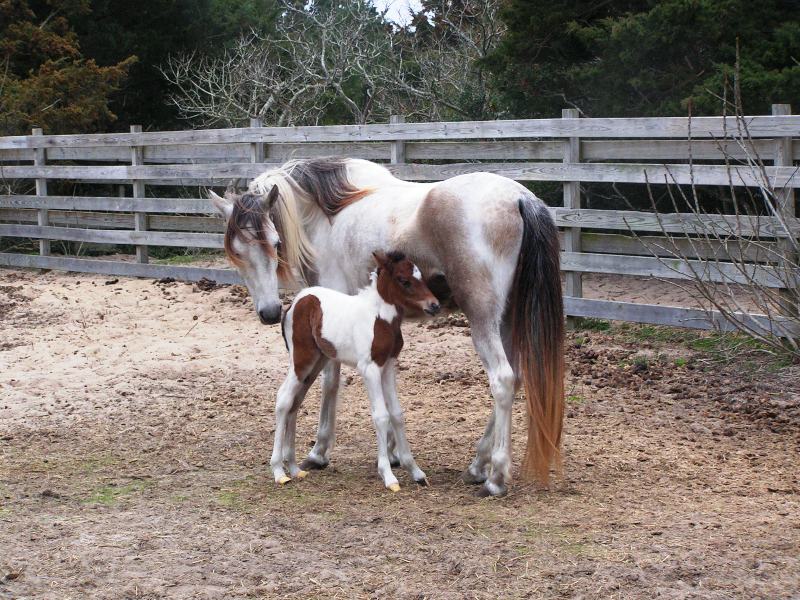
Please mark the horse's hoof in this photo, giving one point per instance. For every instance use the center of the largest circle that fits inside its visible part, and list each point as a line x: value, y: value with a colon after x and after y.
x: 491, y: 489
x: 301, y: 474
x: 422, y: 482
x: 312, y: 465
x: 284, y: 480
x: 395, y: 487
x: 471, y: 479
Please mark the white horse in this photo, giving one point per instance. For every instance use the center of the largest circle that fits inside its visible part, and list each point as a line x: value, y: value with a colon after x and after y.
x: 362, y: 331
x: 482, y: 242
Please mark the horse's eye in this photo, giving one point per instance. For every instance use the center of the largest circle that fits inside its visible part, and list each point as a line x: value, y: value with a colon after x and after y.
x: 277, y: 246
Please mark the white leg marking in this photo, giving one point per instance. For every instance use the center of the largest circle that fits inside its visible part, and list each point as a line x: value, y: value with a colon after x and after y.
x: 404, y: 454
x: 371, y: 373
x: 326, y: 432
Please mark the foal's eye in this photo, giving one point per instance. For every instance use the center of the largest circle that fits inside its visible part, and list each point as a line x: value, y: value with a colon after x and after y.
x: 405, y: 283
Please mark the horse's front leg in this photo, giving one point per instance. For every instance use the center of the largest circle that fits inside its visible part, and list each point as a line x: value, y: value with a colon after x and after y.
x: 319, y: 457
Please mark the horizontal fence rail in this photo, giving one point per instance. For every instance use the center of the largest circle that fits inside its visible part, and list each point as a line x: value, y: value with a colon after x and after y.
x: 702, y: 151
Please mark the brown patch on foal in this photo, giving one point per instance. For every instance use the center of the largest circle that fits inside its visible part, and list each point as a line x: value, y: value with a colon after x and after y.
x: 307, y: 341
x: 387, y: 340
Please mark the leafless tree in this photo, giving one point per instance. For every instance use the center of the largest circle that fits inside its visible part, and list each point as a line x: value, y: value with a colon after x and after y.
x: 745, y: 262
x: 348, y: 55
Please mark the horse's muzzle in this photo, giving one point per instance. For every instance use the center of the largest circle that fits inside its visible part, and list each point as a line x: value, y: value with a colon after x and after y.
x: 270, y: 315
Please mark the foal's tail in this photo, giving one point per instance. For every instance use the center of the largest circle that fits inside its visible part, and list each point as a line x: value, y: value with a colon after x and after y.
x: 536, y: 314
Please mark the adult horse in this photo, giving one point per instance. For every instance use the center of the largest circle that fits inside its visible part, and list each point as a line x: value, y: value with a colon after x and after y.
x: 482, y: 241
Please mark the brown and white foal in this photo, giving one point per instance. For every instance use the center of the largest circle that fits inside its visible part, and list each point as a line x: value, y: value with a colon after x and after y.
x: 362, y: 331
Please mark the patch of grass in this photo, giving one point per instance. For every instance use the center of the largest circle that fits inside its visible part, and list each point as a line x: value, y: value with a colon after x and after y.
x: 575, y: 399
x: 591, y: 324
x: 680, y: 362
x: 656, y: 333
x: 109, y: 495
x: 234, y: 495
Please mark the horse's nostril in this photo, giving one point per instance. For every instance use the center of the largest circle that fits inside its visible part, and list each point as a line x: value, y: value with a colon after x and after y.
x: 433, y: 308
x: 270, y: 316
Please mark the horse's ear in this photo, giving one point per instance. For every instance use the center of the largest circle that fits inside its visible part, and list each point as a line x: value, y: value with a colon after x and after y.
x: 224, y: 206
x: 272, y: 196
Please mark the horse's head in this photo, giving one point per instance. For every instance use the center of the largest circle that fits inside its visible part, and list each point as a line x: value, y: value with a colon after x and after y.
x: 400, y: 283
x: 253, y: 246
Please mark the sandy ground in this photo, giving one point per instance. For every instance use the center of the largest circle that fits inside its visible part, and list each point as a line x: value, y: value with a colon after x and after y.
x: 135, y: 426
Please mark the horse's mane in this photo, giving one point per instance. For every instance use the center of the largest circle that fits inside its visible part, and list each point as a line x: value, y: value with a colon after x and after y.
x: 305, y: 185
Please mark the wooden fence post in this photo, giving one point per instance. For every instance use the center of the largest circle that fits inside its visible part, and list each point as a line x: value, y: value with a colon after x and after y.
x: 258, y: 150
x: 398, y: 148
x: 139, y: 218
x: 572, y: 199
x: 785, y: 198
x: 42, y: 219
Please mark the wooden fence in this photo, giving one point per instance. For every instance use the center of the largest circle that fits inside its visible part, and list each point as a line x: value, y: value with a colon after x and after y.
x: 570, y: 150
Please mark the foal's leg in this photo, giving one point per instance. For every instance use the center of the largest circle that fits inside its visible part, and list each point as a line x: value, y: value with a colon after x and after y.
x: 374, y: 381
x: 287, y: 394
x: 404, y: 456
x: 319, y: 457
x: 289, y: 453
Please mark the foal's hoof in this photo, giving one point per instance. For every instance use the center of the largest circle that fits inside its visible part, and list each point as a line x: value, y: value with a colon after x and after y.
x: 301, y: 474
x: 470, y: 478
x: 284, y: 480
x: 395, y: 487
x: 312, y: 465
x: 422, y: 482
x: 491, y: 489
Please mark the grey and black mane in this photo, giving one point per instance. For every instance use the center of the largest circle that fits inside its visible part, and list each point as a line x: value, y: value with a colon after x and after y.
x: 325, y: 180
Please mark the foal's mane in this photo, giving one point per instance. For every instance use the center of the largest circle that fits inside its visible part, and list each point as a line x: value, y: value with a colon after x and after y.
x: 306, y: 188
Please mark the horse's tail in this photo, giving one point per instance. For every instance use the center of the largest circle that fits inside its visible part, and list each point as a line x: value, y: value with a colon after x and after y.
x: 536, y: 314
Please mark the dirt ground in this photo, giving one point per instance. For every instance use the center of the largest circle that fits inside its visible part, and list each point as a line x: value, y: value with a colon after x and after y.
x: 135, y: 426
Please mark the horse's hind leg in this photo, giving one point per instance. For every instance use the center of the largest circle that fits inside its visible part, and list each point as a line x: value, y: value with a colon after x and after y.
x: 319, y: 457
x: 488, y: 343
x: 478, y: 470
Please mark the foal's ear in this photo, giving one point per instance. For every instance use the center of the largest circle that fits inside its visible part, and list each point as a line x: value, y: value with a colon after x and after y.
x: 380, y: 258
x: 272, y: 196
x: 224, y: 206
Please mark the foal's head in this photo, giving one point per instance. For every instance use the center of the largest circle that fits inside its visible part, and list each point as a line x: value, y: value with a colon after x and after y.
x: 400, y: 283
x: 254, y: 247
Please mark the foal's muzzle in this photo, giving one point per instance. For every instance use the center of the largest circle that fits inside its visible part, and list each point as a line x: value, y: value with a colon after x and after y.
x: 432, y: 308
x: 270, y: 315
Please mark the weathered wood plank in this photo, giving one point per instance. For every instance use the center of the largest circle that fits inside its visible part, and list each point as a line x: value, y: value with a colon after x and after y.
x: 103, y: 220
x: 111, y: 236
x: 591, y: 172
x: 668, y: 268
x: 606, y: 243
x: 125, y: 269
x: 610, y: 150
x: 499, y: 150
x: 648, y: 127
x: 670, y: 315
x: 723, y: 225
x: 114, y: 204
